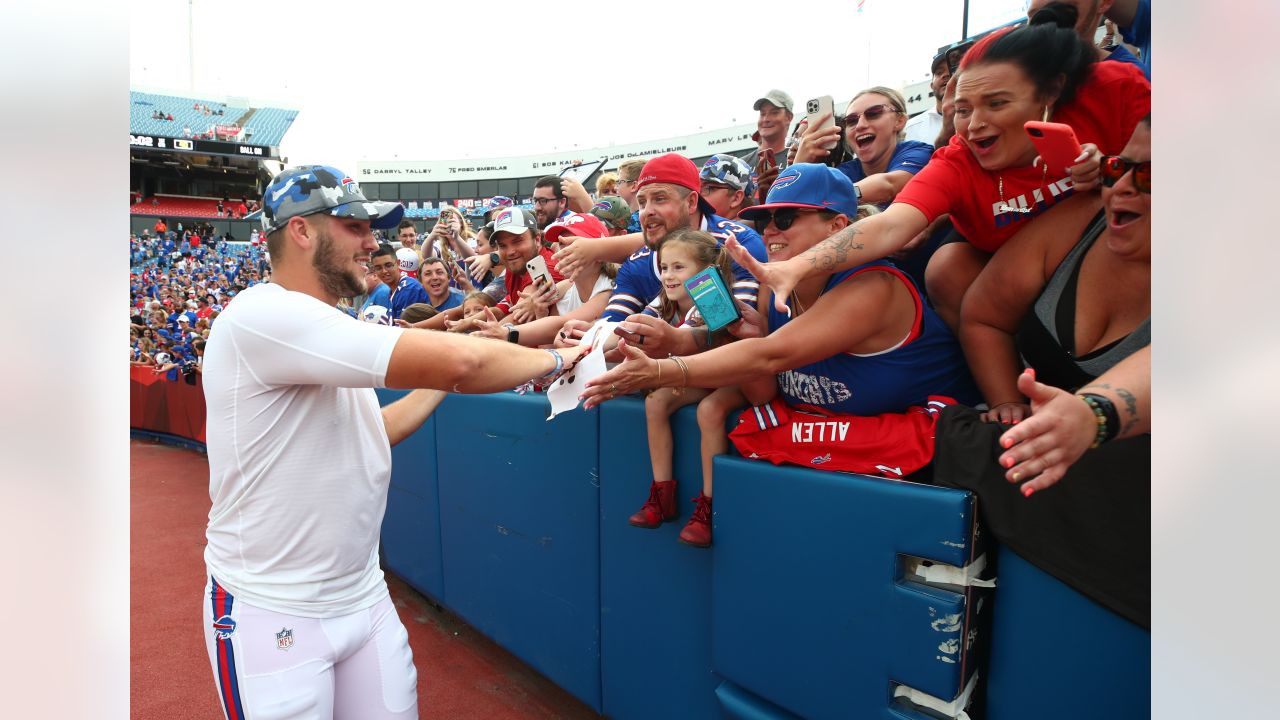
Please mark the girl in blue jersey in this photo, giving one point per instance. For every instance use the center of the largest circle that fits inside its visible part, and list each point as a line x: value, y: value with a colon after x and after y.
x: 681, y: 255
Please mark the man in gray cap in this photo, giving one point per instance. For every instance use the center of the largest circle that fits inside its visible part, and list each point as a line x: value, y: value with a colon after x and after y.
x: 776, y: 112
x: 296, y: 610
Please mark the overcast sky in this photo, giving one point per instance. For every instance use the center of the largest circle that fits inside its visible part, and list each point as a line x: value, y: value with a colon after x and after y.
x: 385, y: 80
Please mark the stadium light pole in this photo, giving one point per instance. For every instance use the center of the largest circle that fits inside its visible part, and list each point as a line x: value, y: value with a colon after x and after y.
x: 191, y: 49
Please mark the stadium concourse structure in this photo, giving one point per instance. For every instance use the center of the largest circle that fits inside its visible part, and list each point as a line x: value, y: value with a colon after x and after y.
x: 213, y: 149
x: 422, y: 186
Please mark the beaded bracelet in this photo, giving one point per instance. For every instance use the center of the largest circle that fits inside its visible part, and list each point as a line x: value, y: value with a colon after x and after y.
x: 1104, y: 411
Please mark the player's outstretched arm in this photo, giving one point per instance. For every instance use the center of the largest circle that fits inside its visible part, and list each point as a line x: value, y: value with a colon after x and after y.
x: 403, y: 417
x: 460, y: 363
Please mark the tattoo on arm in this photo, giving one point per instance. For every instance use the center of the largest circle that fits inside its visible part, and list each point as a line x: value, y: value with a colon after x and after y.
x: 829, y: 253
x: 1130, y: 404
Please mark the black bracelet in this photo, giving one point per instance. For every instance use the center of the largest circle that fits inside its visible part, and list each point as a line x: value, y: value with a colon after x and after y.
x: 1104, y: 411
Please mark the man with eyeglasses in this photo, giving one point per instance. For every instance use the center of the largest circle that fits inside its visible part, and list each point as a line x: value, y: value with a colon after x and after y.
x: 549, y: 202
x: 405, y: 291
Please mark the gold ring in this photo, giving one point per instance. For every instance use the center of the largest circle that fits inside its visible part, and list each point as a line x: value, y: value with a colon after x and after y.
x: 614, y: 388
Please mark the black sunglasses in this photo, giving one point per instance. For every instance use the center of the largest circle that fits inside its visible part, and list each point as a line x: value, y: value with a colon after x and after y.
x: 1115, y: 167
x: 784, y: 218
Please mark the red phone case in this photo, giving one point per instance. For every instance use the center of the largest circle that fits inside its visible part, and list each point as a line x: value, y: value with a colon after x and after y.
x: 1056, y: 143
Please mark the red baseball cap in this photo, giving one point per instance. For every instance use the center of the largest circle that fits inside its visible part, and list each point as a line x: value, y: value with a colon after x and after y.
x: 675, y: 169
x: 578, y: 225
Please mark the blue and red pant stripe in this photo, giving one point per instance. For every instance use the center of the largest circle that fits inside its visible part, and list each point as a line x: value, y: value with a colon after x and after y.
x: 228, y: 681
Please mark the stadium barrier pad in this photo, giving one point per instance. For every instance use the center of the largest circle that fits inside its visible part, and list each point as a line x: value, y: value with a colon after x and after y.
x: 826, y: 595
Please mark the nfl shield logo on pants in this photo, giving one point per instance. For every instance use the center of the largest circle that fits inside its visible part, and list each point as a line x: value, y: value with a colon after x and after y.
x: 284, y: 639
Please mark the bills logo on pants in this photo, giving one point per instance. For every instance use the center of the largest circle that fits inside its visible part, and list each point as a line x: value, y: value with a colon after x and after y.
x: 890, y: 445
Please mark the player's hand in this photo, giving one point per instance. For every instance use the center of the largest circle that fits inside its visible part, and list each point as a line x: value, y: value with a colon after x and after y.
x: 572, y: 356
x: 478, y: 265
x: 648, y: 334
x: 750, y: 326
x: 1041, y: 448
x: 571, y: 333
x: 782, y: 277
x: 572, y: 258
x: 636, y: 372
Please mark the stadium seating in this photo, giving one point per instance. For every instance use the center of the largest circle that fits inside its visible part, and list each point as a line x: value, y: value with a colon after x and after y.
x: 177, y: 207
x: 268, y: 124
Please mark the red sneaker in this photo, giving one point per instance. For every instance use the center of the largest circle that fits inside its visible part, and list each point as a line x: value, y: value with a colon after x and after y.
x: 697, y: 532
x: 659, y: 508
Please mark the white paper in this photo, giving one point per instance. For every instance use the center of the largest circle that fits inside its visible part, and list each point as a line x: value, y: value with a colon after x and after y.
x: 563, y: 393
x: 954, y: 709
x: 944, y: 574
x: 599, y: 331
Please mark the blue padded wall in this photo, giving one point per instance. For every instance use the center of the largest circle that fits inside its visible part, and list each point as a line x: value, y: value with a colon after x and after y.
x: 655, y: 593
x: 519, y: 522
x: 411, y: 527
x: 809, y: 610
x: 1057, y: 655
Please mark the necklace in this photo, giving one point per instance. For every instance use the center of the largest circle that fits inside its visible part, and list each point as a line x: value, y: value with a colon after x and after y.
x: 1004, y: 206
x: 795, y: 300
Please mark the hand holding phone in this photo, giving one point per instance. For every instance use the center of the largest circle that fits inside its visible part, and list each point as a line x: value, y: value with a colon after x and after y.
x: 1056, y: 143
x: 820, y: 115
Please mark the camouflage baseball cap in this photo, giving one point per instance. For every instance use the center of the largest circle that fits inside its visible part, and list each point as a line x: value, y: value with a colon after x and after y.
x: 310, y: 189
x: 730, y: 170
x: 613, y: 211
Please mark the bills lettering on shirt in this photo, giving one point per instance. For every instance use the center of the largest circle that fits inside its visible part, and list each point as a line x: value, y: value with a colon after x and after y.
x: 1028, y: 205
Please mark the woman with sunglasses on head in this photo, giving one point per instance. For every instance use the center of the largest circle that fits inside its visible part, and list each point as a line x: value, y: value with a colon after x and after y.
x: 988, y: 177
x: 884, y: 160
x: 857, y: 346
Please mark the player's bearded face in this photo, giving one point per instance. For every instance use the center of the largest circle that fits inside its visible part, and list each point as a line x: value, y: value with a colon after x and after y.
x: 338, y: 273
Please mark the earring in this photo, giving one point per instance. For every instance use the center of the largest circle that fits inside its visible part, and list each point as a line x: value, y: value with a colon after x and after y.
x: 1046, y: 114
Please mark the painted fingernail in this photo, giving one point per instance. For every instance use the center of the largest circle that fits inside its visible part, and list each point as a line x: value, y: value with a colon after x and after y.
x: 1007, y: 442
x: 1032, y: 373
x: 1017, y: 475
x: 1007, y: 462
x: 1027, y: 490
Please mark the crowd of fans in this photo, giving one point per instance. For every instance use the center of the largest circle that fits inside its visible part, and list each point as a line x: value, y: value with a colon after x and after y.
x: 889, y: 274
x: 179, y: 281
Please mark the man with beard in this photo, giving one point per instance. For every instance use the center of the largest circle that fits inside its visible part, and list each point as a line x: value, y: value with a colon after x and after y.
x: 405, y: 291
x: 549, y: 202
x: 296, y: 610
